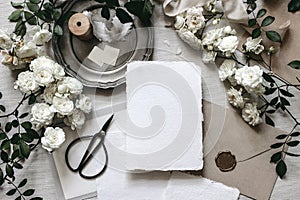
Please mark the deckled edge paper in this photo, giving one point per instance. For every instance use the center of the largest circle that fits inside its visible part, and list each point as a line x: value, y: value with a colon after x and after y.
x: 183, y: 149
x: 185, y: 186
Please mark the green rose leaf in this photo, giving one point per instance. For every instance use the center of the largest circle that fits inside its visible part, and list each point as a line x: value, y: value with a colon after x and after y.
x: 294, y: 6
x: 273, y: 36
x: 276, y: 157
x: 295, y: 134
x: 11, y: 192
x: 25, y: 149
x: 142, y: 9
x: 293, y: 143
x: 4, y: 156
x: 295, y: 64
x: 256, y: 33
x: 22, y: 183
x: 28, y: 192
x: 281, y: 137
x: 9, y: 171
x: 286, y: 93
x: 58, y: 30
x: 292, y: 154
x: 269, y: 121
x: 261, y: 13
x: 281, y: 168
x: 17, y: 165
x: 267, y: 21
x: 15, y: 15
x: 105, y: 12
x: 32, y: 7
x: 276, y: 145
x: 123, y: 16
x: 35, y: 1
x: 1, y: 177
x: 30, y: 18
x: 26, y: 125
x: 2, y: 108
x: 252, y: 22
x: 17, y: 5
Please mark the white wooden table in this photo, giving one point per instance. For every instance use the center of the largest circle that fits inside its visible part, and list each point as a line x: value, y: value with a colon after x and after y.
x: 38, y: 168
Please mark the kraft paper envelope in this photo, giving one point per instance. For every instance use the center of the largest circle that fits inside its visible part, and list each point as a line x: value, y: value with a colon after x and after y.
x: 254, y: 178
x: 289, y: 49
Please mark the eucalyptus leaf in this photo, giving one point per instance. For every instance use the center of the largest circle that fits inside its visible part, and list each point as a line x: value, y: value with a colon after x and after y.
x: 295, y: 64
x: 281, y: 168
x: 267, y: 21
x: 294, y: 6
x: 273, y: 36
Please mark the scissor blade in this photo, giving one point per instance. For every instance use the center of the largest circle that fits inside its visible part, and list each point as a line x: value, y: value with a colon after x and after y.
x: 107, y: 123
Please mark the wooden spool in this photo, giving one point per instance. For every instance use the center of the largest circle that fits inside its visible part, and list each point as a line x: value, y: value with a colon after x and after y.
x: 80, y: 26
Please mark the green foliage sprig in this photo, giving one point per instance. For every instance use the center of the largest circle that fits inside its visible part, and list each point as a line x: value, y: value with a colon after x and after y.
x: 18, y: 140
x: 278, y: 89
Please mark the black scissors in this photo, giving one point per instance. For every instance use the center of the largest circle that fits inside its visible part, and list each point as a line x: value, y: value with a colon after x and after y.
x: 88, y: 155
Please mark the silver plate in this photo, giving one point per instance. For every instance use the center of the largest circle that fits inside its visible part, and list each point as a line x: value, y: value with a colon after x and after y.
x: 72, y: 53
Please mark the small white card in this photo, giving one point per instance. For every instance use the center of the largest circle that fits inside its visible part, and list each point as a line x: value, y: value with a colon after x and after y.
x: 107, y: 56
x: 164, y: 126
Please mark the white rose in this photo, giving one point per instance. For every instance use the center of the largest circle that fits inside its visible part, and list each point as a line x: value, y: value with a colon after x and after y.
x: 227, y: 69
x: 58, y: 71
x: 84, y: 103
x: 27, y: 50
x: 5, y: 40
x: 43, y: 75
x: 250, y: 114
x: 26, y: 83
x: 179, y: 22
x: 253, y: 45
x: 189, y: 38
x: 69, y: 85
x: 76, y: 120
x: 228, y: 44
x: 41, y: 114
x: 249, y: 77
x: 42, y: 61
x: 194, y: 19
x: 235, y: 97
x: 49, y: 93
x: 41, y: 37
x: 209, y: 56
x: 259, y: 89
x: 53, y: 138
x: 62, y: 105
x: 212, y: 37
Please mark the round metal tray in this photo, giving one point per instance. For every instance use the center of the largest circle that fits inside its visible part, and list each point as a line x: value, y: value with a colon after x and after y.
x: 72, y: 53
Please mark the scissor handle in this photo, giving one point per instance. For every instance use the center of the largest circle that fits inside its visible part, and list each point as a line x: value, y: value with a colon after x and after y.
x: 87, y: 155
